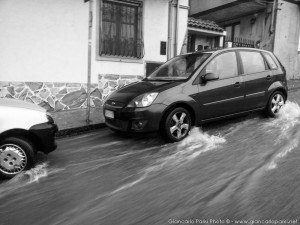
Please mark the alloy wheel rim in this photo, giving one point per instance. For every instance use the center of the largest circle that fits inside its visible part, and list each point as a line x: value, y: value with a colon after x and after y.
x: 277, y: 103
x: 179, y: 125
x: 13, y: 159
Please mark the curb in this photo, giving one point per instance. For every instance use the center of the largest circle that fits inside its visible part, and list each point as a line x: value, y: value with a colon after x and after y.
x: 79, y: 130
x: 293, y: 88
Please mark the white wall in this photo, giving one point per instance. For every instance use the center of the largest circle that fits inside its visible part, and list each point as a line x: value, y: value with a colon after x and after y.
x: 47, y: 40
x: 43, y: 40
x: 287, y: 38
x: 155, y: 30
x: 182, y: 26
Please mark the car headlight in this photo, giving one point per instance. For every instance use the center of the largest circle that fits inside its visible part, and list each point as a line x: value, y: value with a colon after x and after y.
x: 143, y: 100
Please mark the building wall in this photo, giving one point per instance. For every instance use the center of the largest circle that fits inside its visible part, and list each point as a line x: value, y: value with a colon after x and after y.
x: 287, y: 38
x: 44, y: 51
x: 203, y: 5
x: 43, y: 41
x: 256, y: 27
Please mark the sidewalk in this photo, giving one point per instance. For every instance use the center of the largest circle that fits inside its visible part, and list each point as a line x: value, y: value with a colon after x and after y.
x: 293, y: 84
x: 71, y: 122
x: 74, y: 121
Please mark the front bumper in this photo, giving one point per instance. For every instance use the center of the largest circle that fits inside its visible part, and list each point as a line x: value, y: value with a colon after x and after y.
x: 135, y: 119
x: 46, y: 135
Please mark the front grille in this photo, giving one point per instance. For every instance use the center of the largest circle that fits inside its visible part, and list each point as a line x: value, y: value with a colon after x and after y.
x: 115, y: 104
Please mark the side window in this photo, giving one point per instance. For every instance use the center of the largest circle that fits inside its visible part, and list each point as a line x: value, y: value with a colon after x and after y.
x: 253, y: 62
x: 270, y: 61
x: 225, y: 65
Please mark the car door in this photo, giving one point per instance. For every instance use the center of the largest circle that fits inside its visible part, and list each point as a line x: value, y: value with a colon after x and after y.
x: 257, y: 78
x: 225, y: 95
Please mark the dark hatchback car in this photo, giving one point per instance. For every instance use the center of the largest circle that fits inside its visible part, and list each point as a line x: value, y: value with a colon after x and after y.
x: 195, y: 88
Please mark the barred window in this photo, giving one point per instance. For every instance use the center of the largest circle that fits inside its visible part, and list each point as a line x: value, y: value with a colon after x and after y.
x: 121, y: 32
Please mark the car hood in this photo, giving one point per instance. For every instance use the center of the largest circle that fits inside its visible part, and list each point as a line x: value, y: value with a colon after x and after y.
x: 14, y: 103
x: 129, y: 92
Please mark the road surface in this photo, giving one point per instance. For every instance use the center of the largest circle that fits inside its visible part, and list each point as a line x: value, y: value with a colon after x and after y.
x: 224, y: 173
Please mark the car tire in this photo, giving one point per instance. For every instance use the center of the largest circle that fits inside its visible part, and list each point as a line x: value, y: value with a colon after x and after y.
x: 16, y: 155
x: 176, y: 124
x: 276, y: 101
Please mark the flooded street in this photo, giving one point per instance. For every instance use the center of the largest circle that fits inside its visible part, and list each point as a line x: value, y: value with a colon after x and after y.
x: 239, y: 169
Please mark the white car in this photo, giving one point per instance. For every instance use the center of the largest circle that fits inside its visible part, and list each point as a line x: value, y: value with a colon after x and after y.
x: 25, y: 128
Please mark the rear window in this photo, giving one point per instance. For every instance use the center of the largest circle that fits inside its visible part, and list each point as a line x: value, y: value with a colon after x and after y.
x: 270, y: 61
x: 253, y: 62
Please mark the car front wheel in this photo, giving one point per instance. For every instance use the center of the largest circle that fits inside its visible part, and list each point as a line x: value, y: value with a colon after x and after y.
x: 275, y: 103
x: 16, y: 155
x: 177, y: 124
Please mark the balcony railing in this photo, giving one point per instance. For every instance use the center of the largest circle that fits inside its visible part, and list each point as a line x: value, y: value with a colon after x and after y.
x: 239, y: 42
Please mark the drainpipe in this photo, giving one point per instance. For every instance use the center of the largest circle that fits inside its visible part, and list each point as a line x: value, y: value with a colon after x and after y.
x: 170, y: 24
x: 176, y: 29
x: 273, y: 17
x: 89, y: 61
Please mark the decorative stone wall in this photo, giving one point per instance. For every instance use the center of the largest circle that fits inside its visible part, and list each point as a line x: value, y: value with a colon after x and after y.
x: 108, y: 83
x: 52, y: 96
x: 65, y: 96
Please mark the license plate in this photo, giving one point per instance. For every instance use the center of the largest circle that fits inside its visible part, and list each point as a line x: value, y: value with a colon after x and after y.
x: 109, y: 114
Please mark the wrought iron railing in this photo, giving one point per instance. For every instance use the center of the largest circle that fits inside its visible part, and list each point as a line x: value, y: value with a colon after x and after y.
x: 239, y: 42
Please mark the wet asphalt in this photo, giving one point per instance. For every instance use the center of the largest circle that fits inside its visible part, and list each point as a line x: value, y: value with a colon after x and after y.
x: 243, y: 169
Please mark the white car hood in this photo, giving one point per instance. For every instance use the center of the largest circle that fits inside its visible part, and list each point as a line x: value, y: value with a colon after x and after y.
x: 6, y: 102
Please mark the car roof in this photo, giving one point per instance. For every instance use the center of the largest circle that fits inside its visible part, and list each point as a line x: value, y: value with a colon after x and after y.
x: 218, y: 50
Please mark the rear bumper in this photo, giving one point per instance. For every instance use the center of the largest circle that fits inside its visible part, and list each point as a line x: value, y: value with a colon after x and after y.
x: 135, y: 119
x: 46, y: 134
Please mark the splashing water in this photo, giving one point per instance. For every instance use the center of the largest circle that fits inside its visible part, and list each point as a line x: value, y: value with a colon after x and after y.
x: 26, y: 177
x: 287, y: 120
x: 288, y: 117
x: 32, y: 175
x: 287, y: 149
x: 191, y: 147
x: 198, y: 142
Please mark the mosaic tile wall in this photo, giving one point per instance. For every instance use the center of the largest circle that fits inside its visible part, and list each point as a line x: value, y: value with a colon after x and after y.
x: 51, y: 96
x: 65, y: 96
x: 110, y: 82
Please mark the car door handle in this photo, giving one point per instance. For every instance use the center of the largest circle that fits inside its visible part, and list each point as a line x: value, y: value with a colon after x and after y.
x: 268, y: 77
x: 237, y: 84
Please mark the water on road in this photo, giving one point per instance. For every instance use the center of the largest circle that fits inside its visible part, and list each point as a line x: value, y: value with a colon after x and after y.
x: 245, y: 168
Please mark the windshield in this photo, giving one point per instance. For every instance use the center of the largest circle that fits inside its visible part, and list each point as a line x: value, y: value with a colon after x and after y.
x: 180, y: 67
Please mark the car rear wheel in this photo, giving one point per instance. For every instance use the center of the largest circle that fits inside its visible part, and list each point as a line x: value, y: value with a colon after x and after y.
x: 16, y: 155
x: 177, y: 124
x: 275, y: 103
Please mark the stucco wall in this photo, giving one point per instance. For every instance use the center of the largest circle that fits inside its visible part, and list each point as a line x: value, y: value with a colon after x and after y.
x: 258, y: 29
x: 43, y: 51
x: 47, y: 40
x: 203, y: 5
x: 287, y: 38
x: 155, y: 30
x: 43, y: 40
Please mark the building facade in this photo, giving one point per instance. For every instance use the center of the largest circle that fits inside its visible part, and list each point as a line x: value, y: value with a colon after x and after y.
x: 267, y: 24
x: 44, y: 47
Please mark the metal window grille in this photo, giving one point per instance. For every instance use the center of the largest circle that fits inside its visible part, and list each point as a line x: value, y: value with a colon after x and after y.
x: 121, y: 32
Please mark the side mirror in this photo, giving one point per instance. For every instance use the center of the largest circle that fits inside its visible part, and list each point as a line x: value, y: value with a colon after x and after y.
x: 209, y: 77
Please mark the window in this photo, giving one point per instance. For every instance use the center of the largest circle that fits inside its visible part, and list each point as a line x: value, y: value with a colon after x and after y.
x: 121, y: 29
x: 179, y: 67
x: 253, y: 62
x: 270, y: 61
x: 225, y: 65
x: 232, y: 31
